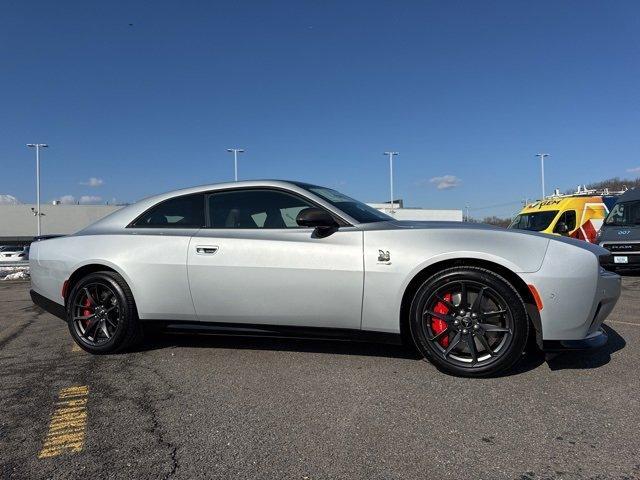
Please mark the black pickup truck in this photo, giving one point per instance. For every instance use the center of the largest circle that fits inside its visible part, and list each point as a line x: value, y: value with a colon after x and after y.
x: 620, y: 232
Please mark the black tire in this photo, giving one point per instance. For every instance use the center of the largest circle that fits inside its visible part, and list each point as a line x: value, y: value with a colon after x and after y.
x: 110, y: 323
x: 472, y: 337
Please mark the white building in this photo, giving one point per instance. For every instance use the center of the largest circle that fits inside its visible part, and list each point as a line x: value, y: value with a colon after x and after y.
x: 18, y: 222
x: 401, y: 213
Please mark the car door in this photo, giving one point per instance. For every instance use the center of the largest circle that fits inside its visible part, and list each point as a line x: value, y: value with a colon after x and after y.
x: 254, y: 265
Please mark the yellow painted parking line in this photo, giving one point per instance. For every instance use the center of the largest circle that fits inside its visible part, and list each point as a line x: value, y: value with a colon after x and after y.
x: 68, y: 423
x: 76, y: 348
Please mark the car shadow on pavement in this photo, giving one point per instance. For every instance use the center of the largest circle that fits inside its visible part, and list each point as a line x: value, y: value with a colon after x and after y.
x: 158, y: 340
x: 579, y: 360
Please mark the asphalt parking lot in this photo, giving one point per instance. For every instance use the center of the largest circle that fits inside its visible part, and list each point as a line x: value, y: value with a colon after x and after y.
x: 190, y: 407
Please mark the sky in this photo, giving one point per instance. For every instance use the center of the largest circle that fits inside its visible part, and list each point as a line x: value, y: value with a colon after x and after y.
x: 139, y: 97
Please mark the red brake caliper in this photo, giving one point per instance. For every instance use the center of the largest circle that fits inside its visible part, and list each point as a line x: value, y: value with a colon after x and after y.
x: 438, y: 325
x: 86, y: 312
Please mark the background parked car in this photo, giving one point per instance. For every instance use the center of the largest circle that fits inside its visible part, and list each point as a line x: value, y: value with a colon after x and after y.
x: 14, y: 254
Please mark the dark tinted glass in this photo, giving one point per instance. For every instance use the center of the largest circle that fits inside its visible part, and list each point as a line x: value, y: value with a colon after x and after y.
x: 569, y: 218
x: 537, y: 221
x: 625, y: 214
x: 357, y: 210
x: 255, y: 209
x: 179, y: 212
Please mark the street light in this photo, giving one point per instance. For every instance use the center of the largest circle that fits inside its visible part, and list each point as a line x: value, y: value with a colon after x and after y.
x: 391, y: 155
x: 542, y: 155
x: 235, y: 151
x: 37, y: 146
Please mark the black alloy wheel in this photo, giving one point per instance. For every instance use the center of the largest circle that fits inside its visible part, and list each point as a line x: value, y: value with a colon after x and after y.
x: 96, y: 313
x: 469, y: 321
x: 101, y: 313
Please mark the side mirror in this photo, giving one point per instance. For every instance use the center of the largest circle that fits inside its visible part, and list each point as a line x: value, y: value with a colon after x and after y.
x: 316, y: 218
x: 562, y: 228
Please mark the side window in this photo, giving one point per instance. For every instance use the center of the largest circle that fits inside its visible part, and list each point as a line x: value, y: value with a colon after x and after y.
x: 569, y: 218
x: 260, y: 208
x: 179, y: 212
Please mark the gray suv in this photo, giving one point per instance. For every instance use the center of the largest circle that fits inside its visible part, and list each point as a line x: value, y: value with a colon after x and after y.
x: 620, y: 233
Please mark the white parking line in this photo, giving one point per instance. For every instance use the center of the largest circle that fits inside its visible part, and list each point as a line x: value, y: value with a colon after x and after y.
x: 623, y: 323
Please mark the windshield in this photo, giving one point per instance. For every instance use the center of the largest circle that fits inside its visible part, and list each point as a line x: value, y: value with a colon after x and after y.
x: 624, y: 214
x: 361, y: 212
x: 536, y: 221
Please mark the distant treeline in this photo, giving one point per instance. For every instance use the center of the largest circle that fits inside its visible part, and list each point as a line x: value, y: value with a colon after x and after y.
x: 492, y: 220
x: 613, y: 184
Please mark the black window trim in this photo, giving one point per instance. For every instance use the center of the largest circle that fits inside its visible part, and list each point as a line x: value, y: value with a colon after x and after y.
x: 207, y: 193
x: 132, y: 224
x: 341, y: 221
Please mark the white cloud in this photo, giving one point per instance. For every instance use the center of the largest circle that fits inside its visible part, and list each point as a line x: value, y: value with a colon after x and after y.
x: 633, y: 170
x: 445, y: 182
x: 93, y: 182
x: 8, y: 200
x: 88, y: 199
x: 83, y: 200
x: 67, y: 200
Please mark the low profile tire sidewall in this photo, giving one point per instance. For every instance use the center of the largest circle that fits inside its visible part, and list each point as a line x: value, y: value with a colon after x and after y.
x: 127, y: 313
x: 513, y: 351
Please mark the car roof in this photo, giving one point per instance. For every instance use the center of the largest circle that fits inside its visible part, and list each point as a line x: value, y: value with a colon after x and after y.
x: 630, y: 195
x: 557, y: 203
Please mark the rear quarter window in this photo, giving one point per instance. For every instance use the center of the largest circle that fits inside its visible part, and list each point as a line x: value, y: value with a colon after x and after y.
x: 179, y: 212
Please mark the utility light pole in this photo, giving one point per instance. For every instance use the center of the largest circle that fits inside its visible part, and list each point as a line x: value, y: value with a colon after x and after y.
x: 37, y: 146
x: 391, y: 155
x: 542, y: 156
x: 235, y: 152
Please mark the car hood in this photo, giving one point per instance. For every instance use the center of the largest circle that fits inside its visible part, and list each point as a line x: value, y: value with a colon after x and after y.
x: 400, y: 225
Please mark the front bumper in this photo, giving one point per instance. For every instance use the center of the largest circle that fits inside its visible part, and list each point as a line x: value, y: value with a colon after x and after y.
x: 577, y: 296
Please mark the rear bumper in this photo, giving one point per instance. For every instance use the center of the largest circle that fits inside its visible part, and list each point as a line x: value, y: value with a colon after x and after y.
x: 49, y: 305
x: 597, y: 339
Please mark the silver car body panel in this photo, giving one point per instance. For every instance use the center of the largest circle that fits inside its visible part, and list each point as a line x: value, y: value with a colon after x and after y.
x: 278, y: 277
x: 295, y: 278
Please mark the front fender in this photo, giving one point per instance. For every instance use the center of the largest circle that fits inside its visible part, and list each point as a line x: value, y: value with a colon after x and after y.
x: 412, y: 251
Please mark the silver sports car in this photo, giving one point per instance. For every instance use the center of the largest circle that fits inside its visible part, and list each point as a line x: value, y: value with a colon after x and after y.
x: 288, y: 258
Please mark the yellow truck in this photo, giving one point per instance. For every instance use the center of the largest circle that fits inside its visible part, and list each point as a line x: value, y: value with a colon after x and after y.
x: 579, y: 215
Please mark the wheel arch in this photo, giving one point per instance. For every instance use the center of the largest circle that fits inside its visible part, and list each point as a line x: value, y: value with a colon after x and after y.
x: 513, y: 278
x: 84, y: 270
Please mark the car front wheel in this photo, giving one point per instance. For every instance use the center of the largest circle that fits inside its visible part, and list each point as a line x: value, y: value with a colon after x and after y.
x: 469, y: 321
x: 101, y: 314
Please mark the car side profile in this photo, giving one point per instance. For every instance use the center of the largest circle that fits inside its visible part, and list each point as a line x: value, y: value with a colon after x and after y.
x: 289, y: 258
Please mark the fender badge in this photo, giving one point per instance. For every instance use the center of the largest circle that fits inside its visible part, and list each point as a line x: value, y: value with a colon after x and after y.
x: 384, y: 257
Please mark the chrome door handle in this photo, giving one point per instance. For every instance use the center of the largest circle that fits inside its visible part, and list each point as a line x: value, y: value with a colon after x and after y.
x: 206, y: 249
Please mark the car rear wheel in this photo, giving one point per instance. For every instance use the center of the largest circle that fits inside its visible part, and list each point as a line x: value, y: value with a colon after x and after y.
x: 469, y: 321
x: 101, y: 314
